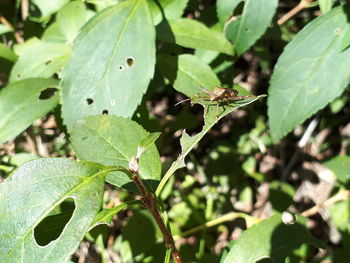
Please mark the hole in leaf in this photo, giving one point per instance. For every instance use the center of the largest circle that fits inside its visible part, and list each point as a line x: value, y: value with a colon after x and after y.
x: 51, y: 227
x: 105, y: 112
x: 246, y: 30
x: 112, y: 102
x: 121, y: 67
x: 47, y: 93
x: 48, y: 62
x: 18, y: 76
x: 89, y: 101
x: 130, y: 61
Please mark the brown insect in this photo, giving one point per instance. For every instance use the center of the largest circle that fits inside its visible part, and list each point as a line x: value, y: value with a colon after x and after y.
x: 220, y: 95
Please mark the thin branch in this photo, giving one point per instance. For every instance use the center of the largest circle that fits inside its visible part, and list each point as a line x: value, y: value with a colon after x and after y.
x: 217, y: 221
x: 303, y: 4
x: 341, y: 195
x: 150, y: 202
x: 4, y: 21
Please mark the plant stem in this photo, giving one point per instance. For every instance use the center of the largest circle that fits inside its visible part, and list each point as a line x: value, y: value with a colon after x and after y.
x: 303, y: 4
x: 149, y: 201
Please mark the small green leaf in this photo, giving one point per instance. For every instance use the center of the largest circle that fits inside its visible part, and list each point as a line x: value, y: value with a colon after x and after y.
x: 193, y: 34
x: 271, y: 238
x: 325, y: 5
x: 4, y: 29
x: 49, y: 7
x: 147, y: 142
x: 7, y: 53
x: 40, y: 60
x: 171, y: 9
x: 20, y: 105
x: 187, y: 72
x: 112, y: 63
x: 340, y: 166
x: 71, y: 18
x: 345, y: 43
x: 225, y: 8
x: 306, y: 78
x: 112, y: 141
x: 245, y: 30
x: 32, y: 192
x: 105, y: 216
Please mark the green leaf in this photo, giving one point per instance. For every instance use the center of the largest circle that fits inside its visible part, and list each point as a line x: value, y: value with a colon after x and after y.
x: 20, y: 105
x: 340, y: 166
x: 325, y: 5
x: 340, y: 215
x: 345, y: 43
x: 245, y: 30
x: 271, y: 238
x: 112, y: 140
x: 112, y: 63
x: 225, y: 8
x: 306, y: 78
x: 32, y: 192
x: 171, y: 9
x: 147, y: 142
x: 71, y: 18
x: 4, y: 29
x: 49, y: 7
x: 7, y: 53
x: 212, y: 114
x: 193, y: 34
x: 40, y: 60
x: 105, y: 216
x: 187, y: 72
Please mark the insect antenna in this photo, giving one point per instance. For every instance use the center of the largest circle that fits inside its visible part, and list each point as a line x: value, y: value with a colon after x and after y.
x: 182, y: 101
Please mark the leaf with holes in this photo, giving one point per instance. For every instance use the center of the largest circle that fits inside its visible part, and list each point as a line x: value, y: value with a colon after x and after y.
x: 187, y: 72
x: 193, y: 34
x: 307, y: 76
x: 245, y: 30
x: 23, y: 102
x: 40, y: 60
x: 112, y: 63
x: 112, y: 140
x: 271, y: 238
x: 213, y: 112
x: 32, y: 192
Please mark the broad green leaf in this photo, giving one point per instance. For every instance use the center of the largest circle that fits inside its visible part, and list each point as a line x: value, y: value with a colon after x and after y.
x: 23, y: 102
x: 112, y: 140
x: 325, y: 5
x: 7, y: 53
x: 112, y: 63
x: 40, y: 60
x: 271, y: 238
x: 53, y: 34
x: 171, y: 9
x: 105, y: 216
x: 32, y: 192
x: 212, y: 114
x: 187, y: 72
x: 71, y: 18
x: 225, y: 8
x: 193, y: 34
x: 246, y: 29
x: 340, y: 166
x: 307, y: 77
x: 49, y: 7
